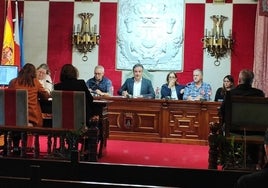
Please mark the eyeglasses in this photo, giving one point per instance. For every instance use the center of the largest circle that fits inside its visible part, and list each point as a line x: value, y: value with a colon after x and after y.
x: 172, y: 77
x: 97, y: 73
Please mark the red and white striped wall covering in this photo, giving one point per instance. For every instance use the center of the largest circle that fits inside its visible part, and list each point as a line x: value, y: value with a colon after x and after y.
x: 49, y: 23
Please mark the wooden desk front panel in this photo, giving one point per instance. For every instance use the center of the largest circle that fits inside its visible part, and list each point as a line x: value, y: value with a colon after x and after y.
x: 135, y: 118
x: 184, y: 120
x: 161, y: 120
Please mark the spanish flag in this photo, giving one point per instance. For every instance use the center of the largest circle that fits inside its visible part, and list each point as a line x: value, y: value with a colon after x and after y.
x: 8, y: 41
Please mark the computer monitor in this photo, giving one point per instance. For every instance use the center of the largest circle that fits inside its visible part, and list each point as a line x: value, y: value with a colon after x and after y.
x: 7, y: 73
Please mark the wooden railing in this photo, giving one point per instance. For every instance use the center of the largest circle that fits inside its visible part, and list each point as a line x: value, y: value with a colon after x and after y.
x: 55, y: 172
x: 68, y: 141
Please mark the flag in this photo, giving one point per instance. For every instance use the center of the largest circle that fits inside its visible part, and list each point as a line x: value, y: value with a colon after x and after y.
x: 22, y: 61
x: 16, y: 37
x: 8, y: 41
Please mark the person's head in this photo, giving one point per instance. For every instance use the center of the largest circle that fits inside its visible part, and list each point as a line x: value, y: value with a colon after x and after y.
x: 228, y: 82
x: 171, y: 76
x: 245, y: 77
x: 137, y: 71
x: 99, y: 72
x: 27, y: 75
x: 68, y: 72
x: 42, y: 71
x: 198, y: 75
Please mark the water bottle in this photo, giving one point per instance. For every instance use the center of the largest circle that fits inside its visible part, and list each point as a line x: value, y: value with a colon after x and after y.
x: 157, y: 93
x: 111, y: 91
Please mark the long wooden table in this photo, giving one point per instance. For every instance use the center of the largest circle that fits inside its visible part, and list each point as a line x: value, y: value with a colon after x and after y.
x: 161, y: 120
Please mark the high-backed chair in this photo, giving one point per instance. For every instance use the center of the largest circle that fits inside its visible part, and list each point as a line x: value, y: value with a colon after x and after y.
x: 13, y: 107
x: 69, y: 111
x: 244, y: 123
x: 13, y: 112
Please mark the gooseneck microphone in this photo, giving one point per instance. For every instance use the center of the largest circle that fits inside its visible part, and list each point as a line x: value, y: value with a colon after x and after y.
x: 47, y: 81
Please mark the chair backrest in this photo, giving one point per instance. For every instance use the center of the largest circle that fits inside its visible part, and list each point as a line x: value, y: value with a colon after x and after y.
x: 13, y: 107
x: 246, y: 113
x: 68, y: 109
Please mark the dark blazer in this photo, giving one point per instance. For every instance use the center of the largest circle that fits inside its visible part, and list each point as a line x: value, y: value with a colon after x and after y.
x: 247, y: 90
x: 219, y: 96
x: 166, y: 92
x: 240, y: 90
x: 78, y: 85
x: 147, y: 90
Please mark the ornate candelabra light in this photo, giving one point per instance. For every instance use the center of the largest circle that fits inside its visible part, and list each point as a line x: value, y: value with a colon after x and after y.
x: 214, y: 42
x: 86, y: 38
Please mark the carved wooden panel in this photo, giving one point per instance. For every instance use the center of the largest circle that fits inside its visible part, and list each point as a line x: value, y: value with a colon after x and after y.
x: 184, y: 124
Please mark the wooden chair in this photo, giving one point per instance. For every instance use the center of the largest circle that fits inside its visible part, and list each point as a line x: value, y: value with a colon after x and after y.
x: 246, y: 121
x: 13, y: 112
x: 68, y: 109
x: 69, y: 112
x: 246, y: 115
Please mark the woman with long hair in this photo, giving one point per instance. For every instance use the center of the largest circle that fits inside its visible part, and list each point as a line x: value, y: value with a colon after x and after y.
x: 27, y: 80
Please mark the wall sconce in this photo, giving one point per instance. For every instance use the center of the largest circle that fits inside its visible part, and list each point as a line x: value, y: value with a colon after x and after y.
x: 214, y: 42
x: 86, y: 38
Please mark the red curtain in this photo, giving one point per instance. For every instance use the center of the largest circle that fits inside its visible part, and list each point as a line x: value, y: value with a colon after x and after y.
x: 260, y: 48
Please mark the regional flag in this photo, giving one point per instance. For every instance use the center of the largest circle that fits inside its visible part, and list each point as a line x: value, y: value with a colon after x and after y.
x: 22, y: 60
x: 8, y: 41
x: 16, y: 37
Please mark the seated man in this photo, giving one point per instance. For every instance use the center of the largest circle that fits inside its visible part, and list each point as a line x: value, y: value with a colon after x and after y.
x: 137, y: 86
x: 99, y: 84
x: 244, y: 88
x: 197, y: 89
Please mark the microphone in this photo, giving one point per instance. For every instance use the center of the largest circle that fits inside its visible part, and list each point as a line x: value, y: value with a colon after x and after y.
x: 47, y: 81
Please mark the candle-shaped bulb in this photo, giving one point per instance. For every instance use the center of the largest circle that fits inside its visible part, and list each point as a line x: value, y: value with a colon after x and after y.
x: 95, y: 28
x: 78, y: 28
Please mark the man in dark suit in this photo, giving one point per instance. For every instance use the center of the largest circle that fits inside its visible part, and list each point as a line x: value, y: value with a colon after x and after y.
x: 256, y: 179
x: 244, y: 88
x: 137, y: 86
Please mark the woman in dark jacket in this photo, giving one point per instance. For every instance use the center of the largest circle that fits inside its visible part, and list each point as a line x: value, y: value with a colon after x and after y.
x: 172, y: 89
x: 69, y: 82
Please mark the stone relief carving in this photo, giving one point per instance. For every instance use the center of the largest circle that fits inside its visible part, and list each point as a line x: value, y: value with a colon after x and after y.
x: 150, y: 32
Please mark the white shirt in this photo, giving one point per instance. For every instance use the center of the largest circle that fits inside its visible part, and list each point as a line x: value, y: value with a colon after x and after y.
x: 174, y: 93
x: 47, y: 83
x: 137, y: 88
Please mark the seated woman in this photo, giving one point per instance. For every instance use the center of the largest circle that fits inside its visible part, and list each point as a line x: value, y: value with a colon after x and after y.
x: 27, y: 80
x: 172, y: 89
x: 228, y: 84
x: 69, y: 81
x: 43, y: 75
